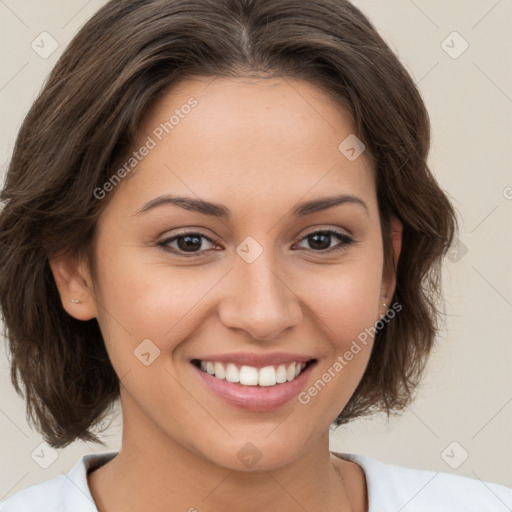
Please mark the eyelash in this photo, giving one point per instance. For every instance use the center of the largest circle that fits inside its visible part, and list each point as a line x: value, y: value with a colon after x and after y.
x: 345, y: 242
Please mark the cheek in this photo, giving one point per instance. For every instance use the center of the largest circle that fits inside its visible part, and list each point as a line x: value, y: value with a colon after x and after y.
x: 142, y: 300
x: 346, y: 307
x: 345, y: 298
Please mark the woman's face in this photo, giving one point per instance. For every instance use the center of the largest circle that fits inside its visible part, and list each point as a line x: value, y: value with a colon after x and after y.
x: 254, y: 280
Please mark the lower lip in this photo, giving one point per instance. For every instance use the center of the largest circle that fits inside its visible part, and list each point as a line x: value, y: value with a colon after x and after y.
x: 255, y: 398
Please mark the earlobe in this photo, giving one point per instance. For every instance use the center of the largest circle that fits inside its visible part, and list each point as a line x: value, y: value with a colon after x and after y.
x: 74, y: 285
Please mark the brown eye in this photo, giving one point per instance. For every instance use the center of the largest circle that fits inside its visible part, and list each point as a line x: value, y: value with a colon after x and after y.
x: 320, y: 241
x: 189, y: 242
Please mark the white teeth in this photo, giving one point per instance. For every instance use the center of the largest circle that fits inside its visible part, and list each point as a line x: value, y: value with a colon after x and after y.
x: 281, y: 374
x: 232, y: 373
x: 210, y: 368
x: 248, y: 376
x: 267, y: 376
x: 251, y: 376
x: 219, y: 371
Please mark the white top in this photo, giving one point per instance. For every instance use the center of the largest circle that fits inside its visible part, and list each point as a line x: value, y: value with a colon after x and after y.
x: 390, y: 489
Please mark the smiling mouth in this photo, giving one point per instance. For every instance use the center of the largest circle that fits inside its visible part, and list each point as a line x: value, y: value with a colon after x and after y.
x: 245, y: 375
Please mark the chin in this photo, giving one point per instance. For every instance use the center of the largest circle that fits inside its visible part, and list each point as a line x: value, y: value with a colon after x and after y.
x: 253, y: 454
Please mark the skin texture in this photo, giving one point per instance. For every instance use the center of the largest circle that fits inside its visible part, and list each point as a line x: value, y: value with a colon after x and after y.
x: 258, y: 147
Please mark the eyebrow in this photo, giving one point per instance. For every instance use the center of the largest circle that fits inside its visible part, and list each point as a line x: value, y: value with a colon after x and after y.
x: 221, y: 211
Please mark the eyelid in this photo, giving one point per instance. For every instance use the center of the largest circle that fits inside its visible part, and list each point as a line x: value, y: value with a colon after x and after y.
x: 323, y: 228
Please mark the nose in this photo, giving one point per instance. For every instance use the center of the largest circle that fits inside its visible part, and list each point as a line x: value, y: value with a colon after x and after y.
x: 259, y: 300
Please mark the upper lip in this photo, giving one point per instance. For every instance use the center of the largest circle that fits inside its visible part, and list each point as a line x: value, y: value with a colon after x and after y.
x: 256, y: 360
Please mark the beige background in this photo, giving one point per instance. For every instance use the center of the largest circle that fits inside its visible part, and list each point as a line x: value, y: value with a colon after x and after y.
x: 467, y: 393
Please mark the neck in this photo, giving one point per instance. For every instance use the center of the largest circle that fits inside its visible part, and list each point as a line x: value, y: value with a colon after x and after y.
x: 153, y: 471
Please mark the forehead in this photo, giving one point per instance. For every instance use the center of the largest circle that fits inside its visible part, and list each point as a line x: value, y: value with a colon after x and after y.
x: 232, y: 137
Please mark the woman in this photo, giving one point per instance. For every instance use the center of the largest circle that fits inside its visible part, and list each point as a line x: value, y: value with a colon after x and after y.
x: 221, y: 213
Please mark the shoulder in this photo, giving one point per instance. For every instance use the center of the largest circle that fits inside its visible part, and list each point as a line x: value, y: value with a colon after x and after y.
x: 392, y: 488
x: 44, y: 496
x: 64, y: 493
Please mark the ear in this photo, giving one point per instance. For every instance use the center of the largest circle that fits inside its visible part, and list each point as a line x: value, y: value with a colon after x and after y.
x: 396, y: 236
x: 73, y: 279
x: 389, y: 281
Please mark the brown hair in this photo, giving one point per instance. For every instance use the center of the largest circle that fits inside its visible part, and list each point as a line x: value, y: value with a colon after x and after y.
x: 85, y: 120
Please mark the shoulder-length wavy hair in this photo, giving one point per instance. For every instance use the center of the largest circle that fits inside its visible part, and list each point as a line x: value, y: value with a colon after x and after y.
x: 85, y: 121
